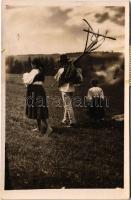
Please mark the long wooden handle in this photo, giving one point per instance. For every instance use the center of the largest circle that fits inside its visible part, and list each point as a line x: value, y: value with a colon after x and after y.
x: 98, y: 34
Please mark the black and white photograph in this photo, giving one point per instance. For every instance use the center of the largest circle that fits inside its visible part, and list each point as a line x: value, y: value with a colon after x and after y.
x: 65, y: 67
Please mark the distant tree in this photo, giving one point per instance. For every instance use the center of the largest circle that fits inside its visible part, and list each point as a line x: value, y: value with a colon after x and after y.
x: 29, y: 60
x: 51, y: 66
x: 116, y: 73
x: 16, y: 68
x: 42, y: 61
x: 29, y: 63
x: 103, y: 67
x: 25, y: 66
x: 122, y: 65
x: 9, y: 63
x: 46, y: 65
x: 21, y: 67
x: 46, y: 62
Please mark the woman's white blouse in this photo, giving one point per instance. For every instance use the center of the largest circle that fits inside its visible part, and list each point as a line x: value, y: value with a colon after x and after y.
x: 29, y: 77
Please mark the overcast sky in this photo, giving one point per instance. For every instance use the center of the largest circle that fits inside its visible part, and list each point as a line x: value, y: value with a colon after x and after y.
x: 41, y: 30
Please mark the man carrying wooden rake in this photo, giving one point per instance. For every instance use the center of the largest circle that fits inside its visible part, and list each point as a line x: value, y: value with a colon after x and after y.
x: 68, y: 76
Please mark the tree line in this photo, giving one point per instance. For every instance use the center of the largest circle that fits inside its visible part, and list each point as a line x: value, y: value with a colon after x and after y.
x: 16, y: 66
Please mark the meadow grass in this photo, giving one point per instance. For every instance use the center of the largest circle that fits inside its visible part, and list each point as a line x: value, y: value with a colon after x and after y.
x: 86, y: 157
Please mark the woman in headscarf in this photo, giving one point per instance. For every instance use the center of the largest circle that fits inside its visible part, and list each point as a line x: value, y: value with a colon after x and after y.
x: 36, y: 104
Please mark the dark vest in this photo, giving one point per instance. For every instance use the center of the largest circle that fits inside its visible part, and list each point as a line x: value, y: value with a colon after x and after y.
x: 39, y: 77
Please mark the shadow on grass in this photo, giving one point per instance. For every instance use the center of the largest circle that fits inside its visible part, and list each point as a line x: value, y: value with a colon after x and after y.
x: 92, y: 181
x: 86, y: 125
x: 104, y: 124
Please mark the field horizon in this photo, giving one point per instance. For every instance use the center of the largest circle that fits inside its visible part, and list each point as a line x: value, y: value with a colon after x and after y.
x: 56, y: 55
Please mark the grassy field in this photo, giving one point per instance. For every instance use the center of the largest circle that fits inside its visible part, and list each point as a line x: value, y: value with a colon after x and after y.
x: 86, y: 157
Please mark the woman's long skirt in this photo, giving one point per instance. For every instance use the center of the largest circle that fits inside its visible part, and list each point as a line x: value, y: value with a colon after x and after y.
x: 36, y: 104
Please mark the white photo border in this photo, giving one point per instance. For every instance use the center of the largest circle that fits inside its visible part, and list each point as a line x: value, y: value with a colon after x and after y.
x: 117, y: 193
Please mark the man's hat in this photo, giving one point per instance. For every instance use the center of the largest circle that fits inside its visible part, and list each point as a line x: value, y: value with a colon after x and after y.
x: 64, y: 58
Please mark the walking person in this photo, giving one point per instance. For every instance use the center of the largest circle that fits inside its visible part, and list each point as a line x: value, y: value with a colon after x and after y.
x: 36, y: 104
x: 68, y: 76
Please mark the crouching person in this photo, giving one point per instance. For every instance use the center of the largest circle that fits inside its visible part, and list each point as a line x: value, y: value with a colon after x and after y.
x: 68, y: 77
x: 95, y: 99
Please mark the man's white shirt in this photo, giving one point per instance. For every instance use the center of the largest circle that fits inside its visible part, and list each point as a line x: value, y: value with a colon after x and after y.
x: 95, y: 92
x: 67, y: 87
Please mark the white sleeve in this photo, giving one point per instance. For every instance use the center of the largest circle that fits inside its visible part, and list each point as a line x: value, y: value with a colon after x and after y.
x: 89, y: 95
x: 79, y: 72
x: 57, y: 76
x: 102, y: 94
x: 29, y: 77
